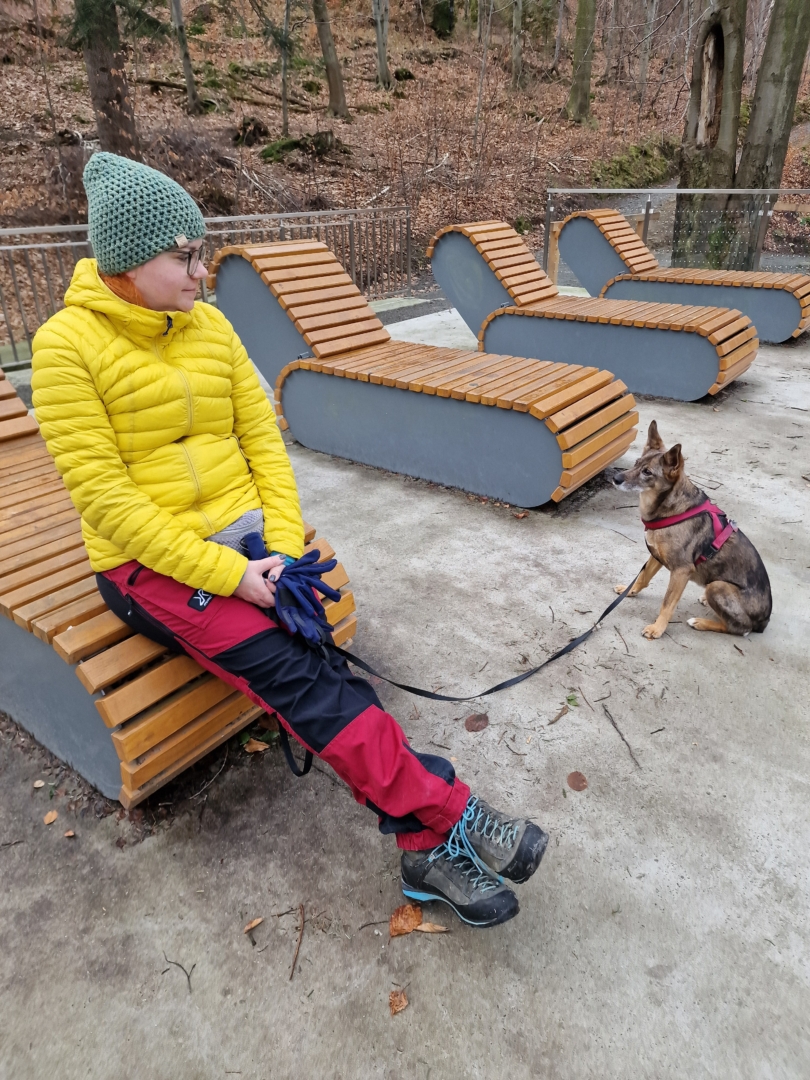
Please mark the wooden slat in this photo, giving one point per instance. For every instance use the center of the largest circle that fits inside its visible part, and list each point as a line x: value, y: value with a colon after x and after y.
x: 344, y: 630
x: 338, y: 609
x: 548, y: 405
x: 91, y: 637
x: 14, y: 555
x: 130, y: 797
x: 14, y: 429
x: 168, y: 717
x: 574, y: 478
x: 117, y: 662
x: 11, y: 408
x: 591, y: 446
x: 52, y: 558
x: 175, y: 748
x: 26, y: 615
x: 25, y: 594
x: 605, y: 414
x: 72, y: 615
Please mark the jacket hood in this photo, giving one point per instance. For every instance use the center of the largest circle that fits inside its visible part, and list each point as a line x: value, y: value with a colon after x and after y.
x: 87, y: 290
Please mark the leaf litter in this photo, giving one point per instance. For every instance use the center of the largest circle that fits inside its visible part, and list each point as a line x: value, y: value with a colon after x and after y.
x: 408, y: 918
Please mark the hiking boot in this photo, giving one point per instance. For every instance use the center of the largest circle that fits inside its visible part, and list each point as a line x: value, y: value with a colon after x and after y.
x: 448, y: 874
x: 512, y: 847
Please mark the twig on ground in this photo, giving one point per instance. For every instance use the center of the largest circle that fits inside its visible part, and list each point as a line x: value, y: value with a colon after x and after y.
x: 618, y: 631
x: 586, y: 700
x: 298, y: 943
x: 380, y: 922
x: 186, y: 973
x: 515, y: 752
x: 621, y: 736
x: 671, y: 638
x: 213, y: 778
x: 289, y: 911
x: 11, y: 843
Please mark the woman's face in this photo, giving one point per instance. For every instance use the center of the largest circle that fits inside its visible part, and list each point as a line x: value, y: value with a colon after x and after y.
x: 164, y: 281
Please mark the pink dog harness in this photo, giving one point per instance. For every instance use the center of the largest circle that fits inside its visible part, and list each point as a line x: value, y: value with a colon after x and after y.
x: 721, y: 532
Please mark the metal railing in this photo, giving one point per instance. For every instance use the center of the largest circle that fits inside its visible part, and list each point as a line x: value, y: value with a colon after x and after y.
x: 36, y: 264
x: 719, y: 228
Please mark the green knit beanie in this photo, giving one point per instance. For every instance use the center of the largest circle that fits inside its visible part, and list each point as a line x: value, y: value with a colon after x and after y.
x: 135, y: 212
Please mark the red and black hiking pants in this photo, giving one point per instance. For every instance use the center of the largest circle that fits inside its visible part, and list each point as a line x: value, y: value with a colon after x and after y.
x: 330, y: 711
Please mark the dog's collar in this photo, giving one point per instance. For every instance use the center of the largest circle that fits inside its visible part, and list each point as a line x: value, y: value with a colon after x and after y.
x: 721, y: 532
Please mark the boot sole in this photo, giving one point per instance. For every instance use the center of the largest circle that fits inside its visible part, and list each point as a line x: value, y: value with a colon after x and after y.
x: 532, y: 866
x: 415, y: 894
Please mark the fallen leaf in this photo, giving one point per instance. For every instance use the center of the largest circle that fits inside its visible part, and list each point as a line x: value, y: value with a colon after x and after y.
x: 121, y: 842
x: 576, y: 781
x: 476, y: 721
x: 252, y: 925
x: 404, y: 919
x: 432, y: 928
x: 51, y: 817
x: 523, y: 514
x: 397, y: 1001
x: 70, y: 834
x: 39, y: 783
x: 559, y: 715
x: 572, y: 700
x: 255, y: 746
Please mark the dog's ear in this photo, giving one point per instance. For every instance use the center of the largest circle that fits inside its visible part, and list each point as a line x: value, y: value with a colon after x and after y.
x: 673, y: 461
x: 654, y: 440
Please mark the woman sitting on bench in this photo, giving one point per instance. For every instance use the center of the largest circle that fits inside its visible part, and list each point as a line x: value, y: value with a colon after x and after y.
x: 170, y: 450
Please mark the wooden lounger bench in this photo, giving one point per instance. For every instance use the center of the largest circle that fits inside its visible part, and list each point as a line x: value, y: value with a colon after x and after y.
x: 136, y: 716
x: 504, y: 296
x: 504, y: 426
x: 610, y: 260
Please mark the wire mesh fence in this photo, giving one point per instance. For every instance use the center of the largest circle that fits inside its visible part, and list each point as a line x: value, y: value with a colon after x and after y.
x: 719, y: 229
x: 36, y: 264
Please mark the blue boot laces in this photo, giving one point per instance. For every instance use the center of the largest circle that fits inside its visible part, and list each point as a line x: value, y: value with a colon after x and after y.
x: 457, y: 846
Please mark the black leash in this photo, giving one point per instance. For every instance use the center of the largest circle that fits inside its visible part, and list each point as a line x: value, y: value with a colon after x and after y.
x: 419, y: 692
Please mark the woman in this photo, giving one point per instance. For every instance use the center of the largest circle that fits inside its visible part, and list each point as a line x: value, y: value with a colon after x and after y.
x: 171, y: 453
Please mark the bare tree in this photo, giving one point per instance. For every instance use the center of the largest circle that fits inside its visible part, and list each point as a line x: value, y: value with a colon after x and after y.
x: 650, y: 11
x: 95, y: 31
x: 334, y: 75
x: 578, y: 106
x: 194, y: 105
x: 555, y: 66
x: 380, y: 10
x: 517, y: 50
x: 766, y: 140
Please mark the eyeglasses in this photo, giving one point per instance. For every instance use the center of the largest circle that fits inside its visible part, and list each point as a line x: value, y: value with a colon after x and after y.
x: 193, y: 259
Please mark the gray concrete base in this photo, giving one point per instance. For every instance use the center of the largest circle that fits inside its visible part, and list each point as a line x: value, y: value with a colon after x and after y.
x: 466, y: 280
x: 659, y: 362
x: 41, y: 692
x: 774, y: 312
x: 586, y: 251
x: 490, y: 451
x: 263, y: 326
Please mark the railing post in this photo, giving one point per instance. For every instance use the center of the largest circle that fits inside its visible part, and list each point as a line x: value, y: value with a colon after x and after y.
x: 547, y: 237
x: 646, y: 226
x: 765, y: 215
x: 408, y: 247
x: 352, y: 267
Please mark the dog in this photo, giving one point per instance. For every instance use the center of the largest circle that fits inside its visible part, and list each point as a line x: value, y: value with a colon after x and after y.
x: 694, y: 544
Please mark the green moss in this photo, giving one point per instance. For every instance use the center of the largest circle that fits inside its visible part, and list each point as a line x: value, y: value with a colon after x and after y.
x: 312, y: 86
x: 639, y: 166
x: 276, y: 151
x: 522, y: 224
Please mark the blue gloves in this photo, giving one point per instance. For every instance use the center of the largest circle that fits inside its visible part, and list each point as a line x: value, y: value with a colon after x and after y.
x: 298, y: 608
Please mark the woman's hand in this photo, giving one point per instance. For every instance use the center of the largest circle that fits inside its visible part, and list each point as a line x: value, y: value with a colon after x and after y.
x: 259, y: 590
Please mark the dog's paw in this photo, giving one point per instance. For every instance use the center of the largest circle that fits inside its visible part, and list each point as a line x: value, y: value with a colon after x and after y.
x: 693, y: 622
x: 703, y: 601
x: 619, y: 589
x: 652, y: 631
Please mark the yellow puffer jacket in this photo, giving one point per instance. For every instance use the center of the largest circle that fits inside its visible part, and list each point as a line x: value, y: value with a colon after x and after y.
x: 162, y: 434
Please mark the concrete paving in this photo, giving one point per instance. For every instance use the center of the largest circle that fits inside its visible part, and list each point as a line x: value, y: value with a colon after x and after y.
x: 666, y: 934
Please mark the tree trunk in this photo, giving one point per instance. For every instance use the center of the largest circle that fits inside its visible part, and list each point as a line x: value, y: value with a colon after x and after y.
x: 285, y: 58
x: 578, y: 106
x: 703, y: 232
x: 194, y: 106
x: 650, y: 11
x: 555, y: 66
x: 334, y: 75
x: 380, y: 10
x: 517, y: 52
x: 107, y: 79
x: 610, y: 43
x: 774, y: 101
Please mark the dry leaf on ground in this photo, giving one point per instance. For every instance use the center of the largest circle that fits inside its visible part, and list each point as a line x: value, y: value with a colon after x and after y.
x: 576, y: 781
x: 252, y: 925
x: 39, y: 783
x: 476, y: 721
x: 559, y: 715
x: 432, y: 928
x: 256, y: 746
x: 404, y: 919
x: 522, y: 514
x: 70, y: 834
x: 397, y: 1001
x: 51, y: 817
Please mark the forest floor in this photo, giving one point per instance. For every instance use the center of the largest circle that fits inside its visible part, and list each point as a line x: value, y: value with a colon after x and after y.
x: 418, y: 144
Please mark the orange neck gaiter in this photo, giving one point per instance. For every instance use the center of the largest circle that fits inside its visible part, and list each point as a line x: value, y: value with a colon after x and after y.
x: 125, y: 289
